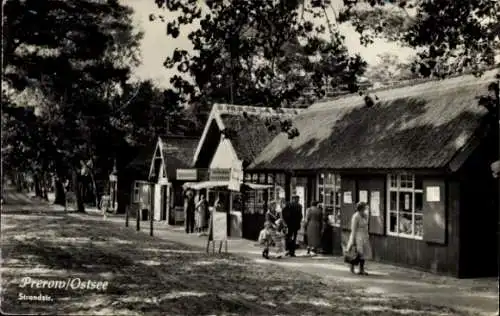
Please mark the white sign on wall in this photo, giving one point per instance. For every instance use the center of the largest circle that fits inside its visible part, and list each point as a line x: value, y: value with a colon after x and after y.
x: 363, y: 196
x: 347, y: 197
x: 433, y: 194
x: 375, y: 203
x: 236, y: 177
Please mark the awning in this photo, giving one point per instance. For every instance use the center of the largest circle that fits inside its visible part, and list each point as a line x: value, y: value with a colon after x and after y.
x: 254, y: 186
x: 222, y: 184
x: 205, y: 185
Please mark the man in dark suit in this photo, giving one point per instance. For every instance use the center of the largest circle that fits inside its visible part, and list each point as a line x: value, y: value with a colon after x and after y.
x: 189, y: 210
x: 292, y: 216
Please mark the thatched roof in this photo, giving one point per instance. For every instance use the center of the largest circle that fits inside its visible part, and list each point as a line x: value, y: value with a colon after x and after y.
x: 138, y: 168
x: 178, y: 152
x: 249, y: 125
x: 419, y: 126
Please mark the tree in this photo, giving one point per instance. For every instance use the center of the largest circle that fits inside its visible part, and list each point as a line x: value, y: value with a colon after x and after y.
x: 76, y: 54
x: 450, y: 35
x: 265, y: 53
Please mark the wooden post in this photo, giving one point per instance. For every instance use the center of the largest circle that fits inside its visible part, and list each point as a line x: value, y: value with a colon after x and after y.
x: 151, y: 207
x: 126, y: 215
x: 138, y: 218
x: 210, y: 230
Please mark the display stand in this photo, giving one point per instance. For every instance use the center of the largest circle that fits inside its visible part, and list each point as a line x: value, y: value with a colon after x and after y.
x: 217, y: 232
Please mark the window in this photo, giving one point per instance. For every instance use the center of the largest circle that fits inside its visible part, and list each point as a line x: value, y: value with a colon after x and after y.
x: 137, y: 191
x: 269, y: 178
x: 141, y: 192
x: 262, y: 178
x: 255, y: 178
x: 278, y: 193
x: 405, y: 205
x: 329, y: 195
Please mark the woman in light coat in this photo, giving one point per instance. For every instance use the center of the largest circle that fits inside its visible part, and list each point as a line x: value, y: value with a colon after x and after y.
x: 201, y: 213
x: 360, y: 238
x: 314, y: 227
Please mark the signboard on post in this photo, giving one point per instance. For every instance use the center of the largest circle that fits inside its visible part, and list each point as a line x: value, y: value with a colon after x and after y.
x: 187, y: 174
x: 236, y: 177
x: 217, y: 230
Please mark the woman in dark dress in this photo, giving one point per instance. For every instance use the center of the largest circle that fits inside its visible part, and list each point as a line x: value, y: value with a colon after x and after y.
x: 314, y: 228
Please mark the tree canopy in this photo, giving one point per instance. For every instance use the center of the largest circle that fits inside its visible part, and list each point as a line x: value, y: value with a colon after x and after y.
x: 259, y: 53
x: 450, y: 36
x: 72, y: 60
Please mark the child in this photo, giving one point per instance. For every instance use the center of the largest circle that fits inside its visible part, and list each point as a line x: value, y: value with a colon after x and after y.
x: 279, y: 236
x: 266, y: 238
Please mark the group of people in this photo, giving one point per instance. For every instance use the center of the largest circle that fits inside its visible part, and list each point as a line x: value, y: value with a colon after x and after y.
x: 196, y: 212
x: 281, y: 229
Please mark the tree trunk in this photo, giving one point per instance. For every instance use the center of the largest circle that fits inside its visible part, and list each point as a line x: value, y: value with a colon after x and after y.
x: 60, y: 195
x: 78, y: 189
x: 38, y: 188
x: 44, y: 187
x: 94, y: 189
x: 19, y: 182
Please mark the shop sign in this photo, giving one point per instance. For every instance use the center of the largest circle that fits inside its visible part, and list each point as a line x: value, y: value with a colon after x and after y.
x: 187, y: 174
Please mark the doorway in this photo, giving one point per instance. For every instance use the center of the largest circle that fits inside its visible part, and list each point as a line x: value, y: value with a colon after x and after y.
x: 164, y: 203
x: 299, y: 186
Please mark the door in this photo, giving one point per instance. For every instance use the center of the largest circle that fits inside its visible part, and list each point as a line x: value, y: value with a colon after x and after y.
x: 372, y: 191
x: 300, y: 188
x: 164, y: 203
x: 157, y: 202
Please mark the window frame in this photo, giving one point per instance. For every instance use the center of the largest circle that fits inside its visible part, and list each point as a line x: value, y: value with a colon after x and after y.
x: 136, y: 196
x: 335, y: 185
x: 398, y: 188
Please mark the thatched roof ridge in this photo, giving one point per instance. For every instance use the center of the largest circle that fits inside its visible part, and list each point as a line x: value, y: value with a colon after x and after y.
x: 249, y: 124
x: 403, y: 84
x: 418, y: 126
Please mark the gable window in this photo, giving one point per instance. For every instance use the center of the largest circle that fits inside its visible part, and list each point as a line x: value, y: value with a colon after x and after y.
x: 329, y: 194
x: 141, y: 189
x: 137, y: 191
x: 405, y: 196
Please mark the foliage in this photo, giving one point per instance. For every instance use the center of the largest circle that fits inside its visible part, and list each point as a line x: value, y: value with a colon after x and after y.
x: 450, y: 35
x: 265, y: 53
x: 74, y: 55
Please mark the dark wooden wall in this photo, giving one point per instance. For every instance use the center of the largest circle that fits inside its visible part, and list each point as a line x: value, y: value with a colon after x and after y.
x: 479, y: 213
x: 439, y: 257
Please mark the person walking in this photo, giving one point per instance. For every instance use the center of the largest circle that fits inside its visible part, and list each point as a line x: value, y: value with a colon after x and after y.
x: 189, y: 210
x: 292, y: 217
x: 201, y: 214
x: 273, y: 232
x: 313, y: 227
x: 360, y: 238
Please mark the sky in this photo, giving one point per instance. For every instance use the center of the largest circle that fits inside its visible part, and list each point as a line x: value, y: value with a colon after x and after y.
x: 156, y: 45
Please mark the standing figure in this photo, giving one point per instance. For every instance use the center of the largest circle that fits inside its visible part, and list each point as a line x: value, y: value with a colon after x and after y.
x: 189, y: 209
x: 360, y: 238
x: 292, y: 217
x: 314, y: 227
x: 201, y: 212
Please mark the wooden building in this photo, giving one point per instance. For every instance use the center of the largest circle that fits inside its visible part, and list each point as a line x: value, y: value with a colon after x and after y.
x: 233, y: 137
x: 152, y: 177
x: 420, y: 156
x: 171, y: 154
